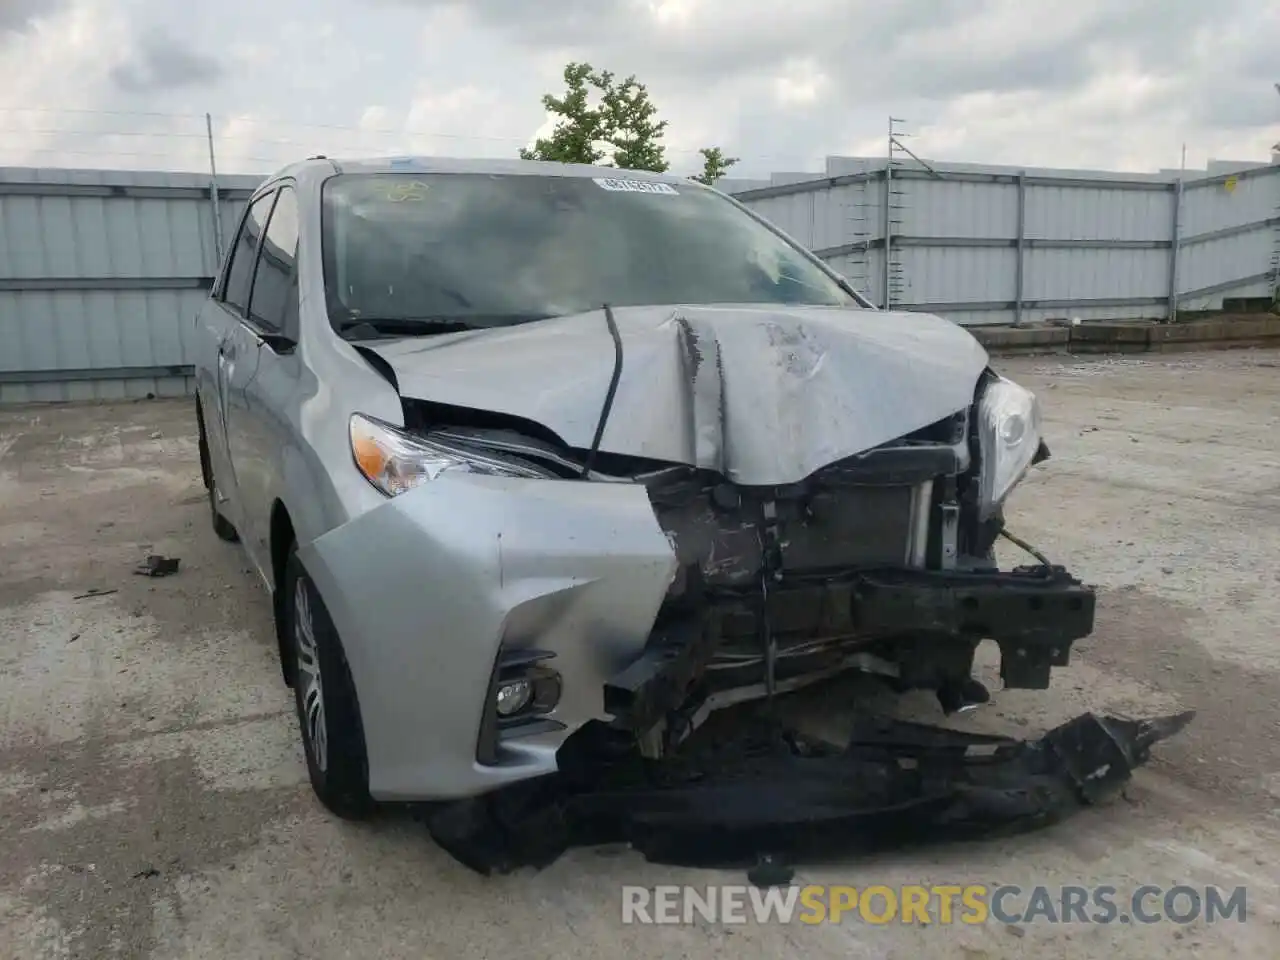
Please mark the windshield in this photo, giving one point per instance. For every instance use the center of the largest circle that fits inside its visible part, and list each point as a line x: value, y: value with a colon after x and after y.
x: 428, y: 252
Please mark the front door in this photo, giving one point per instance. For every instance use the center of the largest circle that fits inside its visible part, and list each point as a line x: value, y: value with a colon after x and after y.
x: 237, y: 356
x: 263, y: 395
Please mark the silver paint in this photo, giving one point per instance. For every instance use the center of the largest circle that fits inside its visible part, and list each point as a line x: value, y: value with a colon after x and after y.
x: 425, y: 588
x: 762, y: 394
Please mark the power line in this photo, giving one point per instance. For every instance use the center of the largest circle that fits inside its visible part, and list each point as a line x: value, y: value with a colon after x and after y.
x: 358, y: 131
x: 379, y: 131
x: 112, y: 133
x: 104, y: 113
x: 196, y: 157
x: 267, y: 121
x: 243, y: 138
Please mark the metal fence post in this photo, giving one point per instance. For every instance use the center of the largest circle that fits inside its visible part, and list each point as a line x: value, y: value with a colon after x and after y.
x: 887, y: 277
x: 1275, y: 238
x: 1018, y: 276
x: 1174, y: 248
x: 214, y: 195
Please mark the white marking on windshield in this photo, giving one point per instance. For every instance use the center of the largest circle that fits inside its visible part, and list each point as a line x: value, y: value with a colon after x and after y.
x: 636, y: 186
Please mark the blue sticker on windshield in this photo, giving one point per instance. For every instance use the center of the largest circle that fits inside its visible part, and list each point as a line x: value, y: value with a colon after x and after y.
x: 618, y: 185
x: 405, y: 163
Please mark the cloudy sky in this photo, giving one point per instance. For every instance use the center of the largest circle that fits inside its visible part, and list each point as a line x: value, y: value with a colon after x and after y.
x: 1112, y: 84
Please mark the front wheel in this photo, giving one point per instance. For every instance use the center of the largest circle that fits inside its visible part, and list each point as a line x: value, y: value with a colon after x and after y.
x: 325, y: 697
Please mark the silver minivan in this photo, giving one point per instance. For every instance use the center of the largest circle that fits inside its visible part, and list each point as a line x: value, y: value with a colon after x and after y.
x: 527, y: 453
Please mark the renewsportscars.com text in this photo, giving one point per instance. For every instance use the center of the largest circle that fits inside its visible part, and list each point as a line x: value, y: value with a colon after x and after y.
x: 938, y: 904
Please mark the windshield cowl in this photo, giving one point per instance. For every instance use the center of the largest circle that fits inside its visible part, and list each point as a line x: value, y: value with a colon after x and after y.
x: 372, y: 328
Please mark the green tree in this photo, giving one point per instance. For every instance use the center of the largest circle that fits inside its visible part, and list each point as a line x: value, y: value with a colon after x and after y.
x: 631, y: 125
x: 714, y: 165
x: 580, y: 126
x: 601, y: 118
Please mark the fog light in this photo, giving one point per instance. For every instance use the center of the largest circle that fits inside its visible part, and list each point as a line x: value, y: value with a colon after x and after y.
x: 513, y: 696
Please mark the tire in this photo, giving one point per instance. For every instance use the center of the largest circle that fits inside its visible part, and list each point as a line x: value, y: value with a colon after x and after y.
x: 221, y: 525
x: 325, y: 697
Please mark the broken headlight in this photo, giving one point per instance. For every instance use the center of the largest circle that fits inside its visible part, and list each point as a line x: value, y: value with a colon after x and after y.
x: 1009, y: 436
x: 396, y: 462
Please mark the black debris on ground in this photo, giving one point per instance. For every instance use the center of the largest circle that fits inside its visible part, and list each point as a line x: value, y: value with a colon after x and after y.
x: 764, y: 798
x: 95, y: 592
x: 156, y: 565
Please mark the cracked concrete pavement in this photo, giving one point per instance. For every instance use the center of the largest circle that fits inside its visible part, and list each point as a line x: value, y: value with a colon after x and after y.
x: 154, y: 796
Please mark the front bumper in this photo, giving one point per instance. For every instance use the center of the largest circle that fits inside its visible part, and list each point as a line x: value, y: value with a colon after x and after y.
x: 1034, y: 614
x: 769, y: 799
x: 931, y: 619
x: 428, y: 589
x: 431, y: 589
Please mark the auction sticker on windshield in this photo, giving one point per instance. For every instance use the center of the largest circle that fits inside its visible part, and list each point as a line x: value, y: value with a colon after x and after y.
x: 636, y: 186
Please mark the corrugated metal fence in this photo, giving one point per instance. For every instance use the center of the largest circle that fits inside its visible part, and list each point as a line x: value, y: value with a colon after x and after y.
x: 101, y: 273
x: 984, y: 247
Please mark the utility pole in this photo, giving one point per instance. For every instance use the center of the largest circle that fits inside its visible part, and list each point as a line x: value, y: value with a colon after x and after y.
x: 892, y: 211
x: 887, y: 224
x: 1275, y: 149
x: 1275, y: 243
x: 1175, y: 246
x: 894, y: 282
x: 214, y: 194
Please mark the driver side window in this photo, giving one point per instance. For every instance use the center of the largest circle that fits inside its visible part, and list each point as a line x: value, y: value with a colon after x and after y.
x: 240, y: 274
x: 275, y: 281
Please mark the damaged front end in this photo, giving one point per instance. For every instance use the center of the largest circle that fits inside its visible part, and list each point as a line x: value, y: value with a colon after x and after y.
x: 764, y: 796
x: 881, y: 561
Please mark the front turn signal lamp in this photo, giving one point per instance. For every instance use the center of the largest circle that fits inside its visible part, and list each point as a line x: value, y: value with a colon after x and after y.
x: 396, y: 461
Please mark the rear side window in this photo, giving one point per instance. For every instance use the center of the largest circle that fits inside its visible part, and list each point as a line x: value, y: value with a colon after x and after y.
x: 275, y: 276
x: 240, y: 275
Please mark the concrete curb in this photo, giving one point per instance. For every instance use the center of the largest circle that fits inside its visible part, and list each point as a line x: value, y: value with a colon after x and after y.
x: 1225, y: 332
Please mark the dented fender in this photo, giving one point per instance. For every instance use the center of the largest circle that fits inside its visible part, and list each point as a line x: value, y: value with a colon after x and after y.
x: 426, y: 588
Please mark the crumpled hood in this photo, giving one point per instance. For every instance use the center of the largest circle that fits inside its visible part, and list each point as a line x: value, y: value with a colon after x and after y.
x: 762, y: 394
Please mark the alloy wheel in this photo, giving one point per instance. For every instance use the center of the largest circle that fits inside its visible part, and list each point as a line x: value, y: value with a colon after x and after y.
x: 308, y: 676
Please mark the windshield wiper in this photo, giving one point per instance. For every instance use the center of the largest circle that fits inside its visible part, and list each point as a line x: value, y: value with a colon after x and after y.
x: 370, y: 328
x: 607, y: 408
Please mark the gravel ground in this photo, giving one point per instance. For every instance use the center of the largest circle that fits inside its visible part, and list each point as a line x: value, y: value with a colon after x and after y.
x: 153, y: 791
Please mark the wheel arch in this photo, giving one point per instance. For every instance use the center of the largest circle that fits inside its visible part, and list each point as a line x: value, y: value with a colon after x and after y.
x: 206, y: 465
x: 283, y: 538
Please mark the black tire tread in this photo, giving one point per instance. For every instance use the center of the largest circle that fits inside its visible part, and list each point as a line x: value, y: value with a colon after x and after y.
x: 344, y: 787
